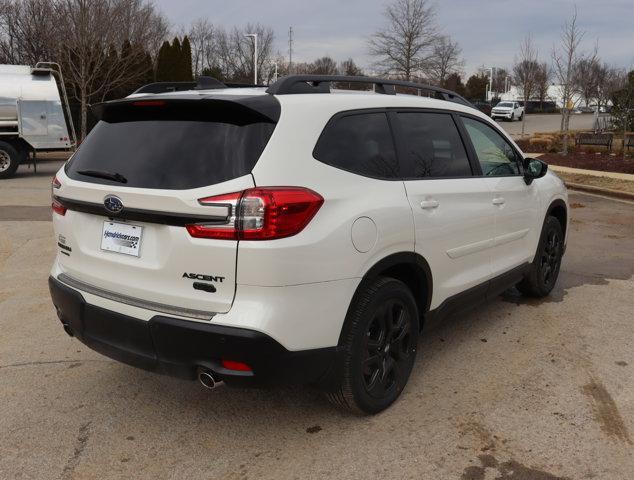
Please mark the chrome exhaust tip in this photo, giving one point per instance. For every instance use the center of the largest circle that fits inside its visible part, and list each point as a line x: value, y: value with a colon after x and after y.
x: 207, y: 380
x: 68, y: 330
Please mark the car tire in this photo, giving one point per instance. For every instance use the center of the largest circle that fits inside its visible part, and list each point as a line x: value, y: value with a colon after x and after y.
x: 9, y: 160
x: 378, y: 347
x: 512, y: 117
x: 543, y: 272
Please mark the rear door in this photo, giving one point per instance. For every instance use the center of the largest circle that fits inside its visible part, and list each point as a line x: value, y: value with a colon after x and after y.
x: 134, y: 185
x: 452, y: 209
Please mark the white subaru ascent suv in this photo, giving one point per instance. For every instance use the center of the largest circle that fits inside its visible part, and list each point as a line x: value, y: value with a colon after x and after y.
x: 294, y: 234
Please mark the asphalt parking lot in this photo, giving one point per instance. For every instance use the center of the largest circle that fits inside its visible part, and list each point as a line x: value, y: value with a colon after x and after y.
x: 516, y: 390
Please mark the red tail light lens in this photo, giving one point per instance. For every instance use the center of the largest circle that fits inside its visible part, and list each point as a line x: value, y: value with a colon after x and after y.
x: 268, y: 213
x: 149, y: 103
x: 55, y: 204
x: 265, y: 213
x: 226, y: 231
x: 58, y: 208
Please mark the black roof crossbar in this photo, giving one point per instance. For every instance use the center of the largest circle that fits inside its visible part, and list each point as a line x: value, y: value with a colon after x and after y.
x: 201, y: 83
x: 292, y: 84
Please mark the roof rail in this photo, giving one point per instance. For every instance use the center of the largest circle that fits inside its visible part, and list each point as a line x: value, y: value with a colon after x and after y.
x: 243, y: 85
x: 292, y: 84
x: 201, y: 83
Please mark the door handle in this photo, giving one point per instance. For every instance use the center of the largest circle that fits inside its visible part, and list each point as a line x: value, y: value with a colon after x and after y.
x: 498, y: 201
x: 428, y: 204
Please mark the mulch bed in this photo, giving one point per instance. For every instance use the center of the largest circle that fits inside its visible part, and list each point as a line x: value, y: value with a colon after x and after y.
x: 591, y: 161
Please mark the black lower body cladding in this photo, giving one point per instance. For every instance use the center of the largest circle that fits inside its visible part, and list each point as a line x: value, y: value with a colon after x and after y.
x: 179, y: 347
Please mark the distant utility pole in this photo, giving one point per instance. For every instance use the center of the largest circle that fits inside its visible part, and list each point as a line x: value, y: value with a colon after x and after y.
x: 290, y: 49
x: 255, y: 56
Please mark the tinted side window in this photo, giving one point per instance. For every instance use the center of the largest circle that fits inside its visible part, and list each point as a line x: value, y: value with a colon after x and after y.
x: 433, y: 147
x: 495, y: 154
x: 360, y: 143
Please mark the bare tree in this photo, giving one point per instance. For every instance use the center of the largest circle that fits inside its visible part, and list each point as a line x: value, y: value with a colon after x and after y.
x: 586, y: 76
x: 610, y: 81
x: 542, y: 82
x: 202, y: 36
x: 445, y: 60
x: 236, y: 52
x: 405, y: 45
x: 565, y: 58
x: 324, y: 66
x: 623, y: 108
x: 348, y: 67
x: 525, y: 73
x: 90, y: 32
x: 351, y: 69
x: 26, y: 31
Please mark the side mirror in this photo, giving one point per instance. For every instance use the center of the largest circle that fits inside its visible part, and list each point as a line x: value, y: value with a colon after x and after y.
x: 534, y: 168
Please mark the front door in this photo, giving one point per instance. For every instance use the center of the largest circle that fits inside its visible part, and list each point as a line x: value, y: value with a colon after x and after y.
x: 516, y: 204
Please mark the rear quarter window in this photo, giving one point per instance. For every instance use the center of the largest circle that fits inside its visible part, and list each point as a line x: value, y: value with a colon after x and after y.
x: 360, y: 143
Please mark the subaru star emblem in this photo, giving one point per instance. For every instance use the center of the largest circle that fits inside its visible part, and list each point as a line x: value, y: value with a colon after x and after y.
x: 113, y: 204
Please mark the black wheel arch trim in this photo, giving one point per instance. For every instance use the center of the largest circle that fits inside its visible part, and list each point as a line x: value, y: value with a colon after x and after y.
x: 558, y: 202
x: 409, y: 259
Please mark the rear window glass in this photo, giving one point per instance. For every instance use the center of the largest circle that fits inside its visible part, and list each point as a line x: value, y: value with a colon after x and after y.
x: 433, y: 146
x: 360, y: 143
x: 173, y: 148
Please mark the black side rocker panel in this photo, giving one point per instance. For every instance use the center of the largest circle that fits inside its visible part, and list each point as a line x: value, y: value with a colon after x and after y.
x: 477, y: 295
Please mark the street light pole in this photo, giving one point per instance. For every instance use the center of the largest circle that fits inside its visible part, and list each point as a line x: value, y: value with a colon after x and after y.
x: 255, y: 56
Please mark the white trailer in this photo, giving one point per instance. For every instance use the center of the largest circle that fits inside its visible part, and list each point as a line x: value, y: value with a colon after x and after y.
x: 34, y: 116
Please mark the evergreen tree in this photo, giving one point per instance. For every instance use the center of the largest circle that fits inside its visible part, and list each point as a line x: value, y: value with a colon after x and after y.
x: 454, y: 82
x: 163, y: 63
x: 186, y: 60
x: 476, y: 87
x: 176, y: 74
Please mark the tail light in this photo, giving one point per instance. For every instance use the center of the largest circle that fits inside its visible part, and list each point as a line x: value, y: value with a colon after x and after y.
x: 55, y: 204
x: 58, y: 207
x: 149, y: 103
x: 265, y: 213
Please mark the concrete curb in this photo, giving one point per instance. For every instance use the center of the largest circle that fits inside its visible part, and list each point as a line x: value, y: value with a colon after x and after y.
x: 593, y: 173
x: 608, y: 192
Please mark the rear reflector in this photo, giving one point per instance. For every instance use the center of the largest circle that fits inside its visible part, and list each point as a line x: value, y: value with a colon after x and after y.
x: 264, y: 213
x: 236, y: 366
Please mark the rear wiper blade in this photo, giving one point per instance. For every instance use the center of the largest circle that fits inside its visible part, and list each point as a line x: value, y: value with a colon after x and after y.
x: 115, y: 177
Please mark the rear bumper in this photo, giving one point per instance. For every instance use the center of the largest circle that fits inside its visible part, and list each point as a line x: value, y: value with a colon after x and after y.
x: 179, y: 347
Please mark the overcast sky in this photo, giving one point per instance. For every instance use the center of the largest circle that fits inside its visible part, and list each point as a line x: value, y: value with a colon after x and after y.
x: 489, y: 31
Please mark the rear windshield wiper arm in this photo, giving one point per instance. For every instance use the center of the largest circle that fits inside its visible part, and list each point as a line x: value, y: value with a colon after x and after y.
x: 115, y: 177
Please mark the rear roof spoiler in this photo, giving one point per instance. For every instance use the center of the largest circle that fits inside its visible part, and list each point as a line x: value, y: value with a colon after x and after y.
x: 267, y: 107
